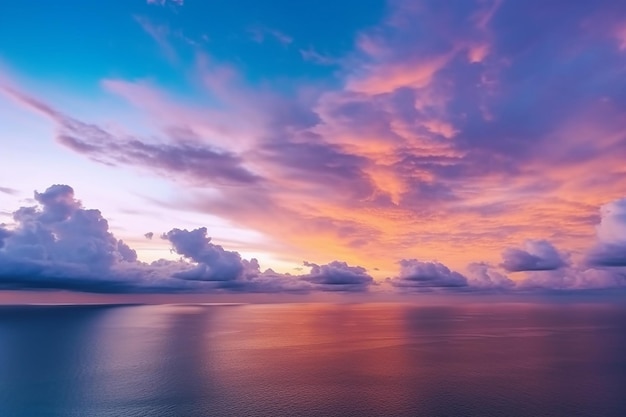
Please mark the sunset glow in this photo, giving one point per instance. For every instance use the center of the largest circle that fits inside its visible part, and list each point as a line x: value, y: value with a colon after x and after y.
x: 388, y: 146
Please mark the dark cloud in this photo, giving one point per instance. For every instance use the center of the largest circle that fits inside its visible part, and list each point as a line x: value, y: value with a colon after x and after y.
x: 4, y: 234
x: 537, y: 255
x: 607, y: 255
x: 416, y: 274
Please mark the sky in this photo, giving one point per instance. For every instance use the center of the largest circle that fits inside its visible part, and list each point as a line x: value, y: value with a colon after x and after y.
x: 266, y: 147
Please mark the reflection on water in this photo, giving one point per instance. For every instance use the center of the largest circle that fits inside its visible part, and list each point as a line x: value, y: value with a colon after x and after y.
x: 316, y: 359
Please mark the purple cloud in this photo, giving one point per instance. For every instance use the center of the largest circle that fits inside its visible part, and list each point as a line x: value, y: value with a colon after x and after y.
x: 197, y: 162
x: 62, y: 231
x: 537, y: 255
x: 610, y: 251
x: 8, y: 190
x: 59, y: 244
x: 4, y: 234
x: 483, y: 276
x: 573, y: 279
x: 416, y: 274
x: 338, y: 276
x: 213, y: 262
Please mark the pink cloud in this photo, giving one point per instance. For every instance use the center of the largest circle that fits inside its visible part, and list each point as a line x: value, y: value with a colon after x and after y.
x: 387, y: 78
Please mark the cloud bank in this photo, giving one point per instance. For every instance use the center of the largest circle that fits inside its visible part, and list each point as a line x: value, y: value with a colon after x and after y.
x: 60, y: 244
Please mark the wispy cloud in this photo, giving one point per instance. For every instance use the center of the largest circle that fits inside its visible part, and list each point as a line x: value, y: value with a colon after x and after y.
x: 261, y: 34
x: 164, y: 2
x: 8, y: 190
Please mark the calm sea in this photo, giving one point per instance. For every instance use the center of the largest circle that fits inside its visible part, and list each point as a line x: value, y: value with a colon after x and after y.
x: 313, y: 359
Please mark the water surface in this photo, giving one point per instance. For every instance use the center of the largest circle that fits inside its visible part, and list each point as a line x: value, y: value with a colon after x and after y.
x: 313, y: 359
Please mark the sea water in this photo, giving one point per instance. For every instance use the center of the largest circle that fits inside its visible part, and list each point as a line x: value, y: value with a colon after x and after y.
x: 313, y: 360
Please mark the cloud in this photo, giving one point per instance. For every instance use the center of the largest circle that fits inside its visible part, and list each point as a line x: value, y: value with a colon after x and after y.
x: 610, y: 250
x: 62, y: 231
x: 483, y: 276
x: 537, y: 255
x: 213, y: 262
x: 260, y: 34
x: 4, y: 234
x: 338, y: 276
x: 607, y: 255
x: 445, y: 123
x: 9, y: 191
x: 573, y: 279
x: 59, y: 244
x: 164, y: 2
x: 160, y: 34
x: 149, y: 235
x: 311, y: 55
x: 187, y: 157
x: 416, y: 274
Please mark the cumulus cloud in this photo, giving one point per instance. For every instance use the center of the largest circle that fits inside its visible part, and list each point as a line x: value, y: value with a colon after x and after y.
x: 483, y: 276
x: 213, y: 262
x: 427, y: 275
x: 574, y: 279
x: 149, y: 235
x: 537, y: 255
x: 59, y: 244
x: 61, y: 230
x: 610, y: 250
x: 603, y: 267
x: 338, y: 276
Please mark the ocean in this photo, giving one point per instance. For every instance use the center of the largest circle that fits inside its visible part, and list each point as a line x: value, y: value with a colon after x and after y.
x: 525, y: 359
